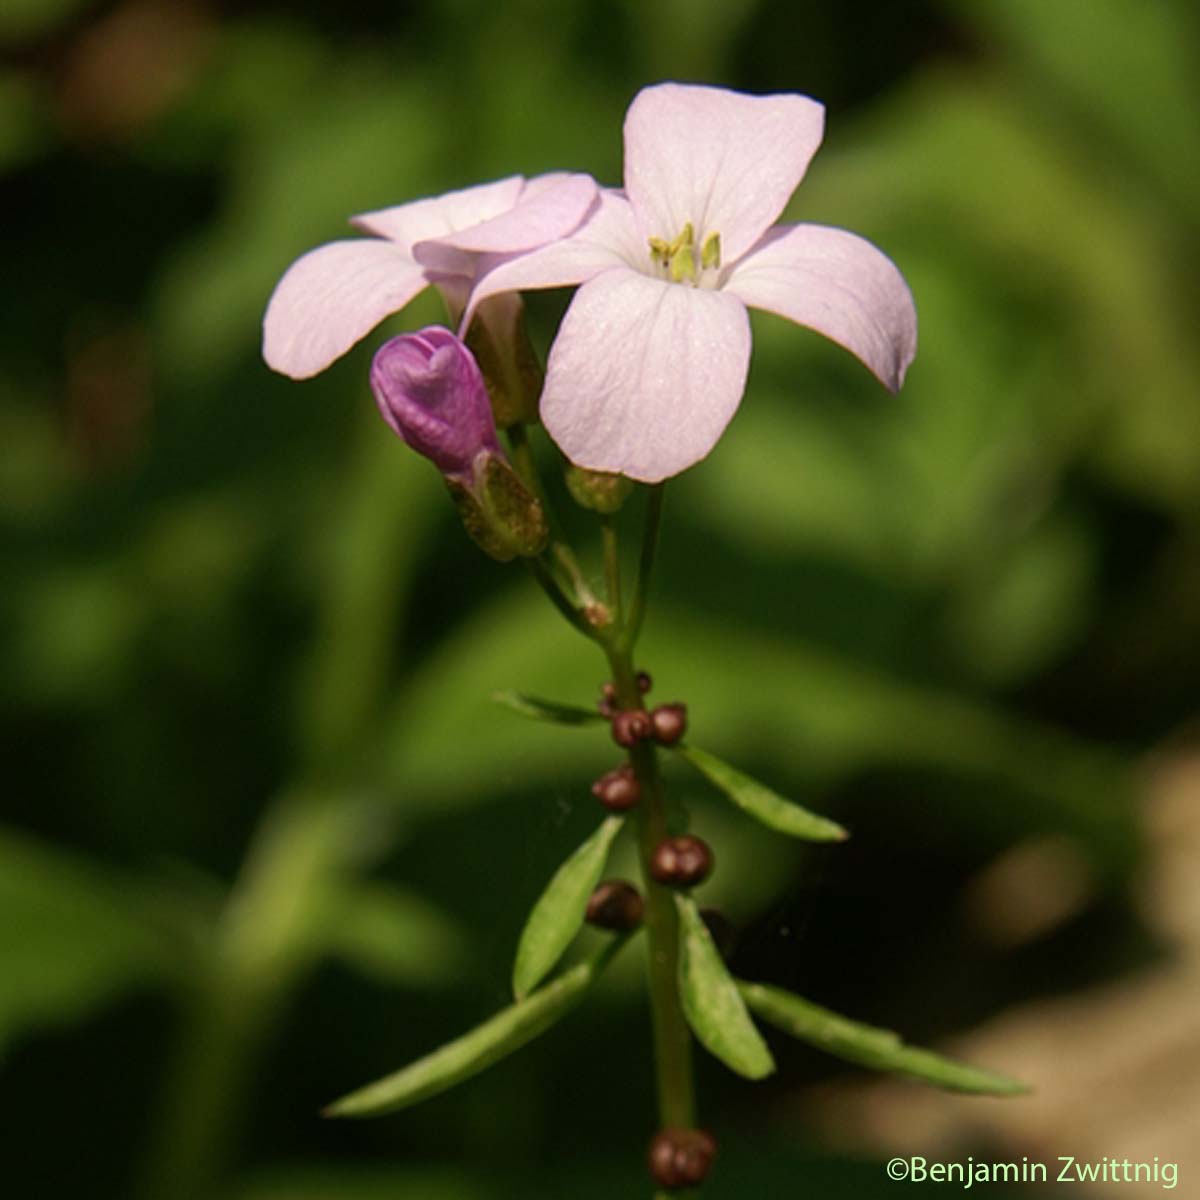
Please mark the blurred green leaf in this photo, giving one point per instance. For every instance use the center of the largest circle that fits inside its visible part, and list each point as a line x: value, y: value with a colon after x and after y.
x: 868, y: 1045
x: 1014, y: 613
x: 711, y: 1002
x: 559, y: 912
x: 547, y: 710
x: 496, y: 1038
x: 72, y: 938
x: 760, y: 802
x: 1130, y: 66
x: 393, y: 935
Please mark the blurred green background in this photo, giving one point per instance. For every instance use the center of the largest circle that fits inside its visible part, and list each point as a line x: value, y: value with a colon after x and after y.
x: 264, y: 837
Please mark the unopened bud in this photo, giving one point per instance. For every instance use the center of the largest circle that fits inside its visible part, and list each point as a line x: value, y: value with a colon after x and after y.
x: 644, y: 682
x: 600, y: 491
x: 430, y: 391
x: 681, y: 1158
x: 682, y: 861
x: 619, y: 790
x: 615, y: 905
x: 607, y: 704
x: 630, y: 726
x: 670, y: 723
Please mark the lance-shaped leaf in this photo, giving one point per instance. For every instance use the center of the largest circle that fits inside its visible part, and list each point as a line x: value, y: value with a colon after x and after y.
x: 561, y: 908
x: 760, y: 802
x: 547, y: 710
x: 869, y: 1045
x: 506, y: 1032
x: 711, y: 1001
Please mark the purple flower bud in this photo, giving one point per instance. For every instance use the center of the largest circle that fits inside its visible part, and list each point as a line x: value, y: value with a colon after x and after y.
x: 431, y: 392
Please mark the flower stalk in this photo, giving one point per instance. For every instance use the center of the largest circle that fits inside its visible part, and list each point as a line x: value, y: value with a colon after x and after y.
x: 672, y: 1038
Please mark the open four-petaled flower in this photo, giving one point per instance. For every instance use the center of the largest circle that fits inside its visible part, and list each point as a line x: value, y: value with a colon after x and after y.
x: 650, y: 362
x: 336, y: 294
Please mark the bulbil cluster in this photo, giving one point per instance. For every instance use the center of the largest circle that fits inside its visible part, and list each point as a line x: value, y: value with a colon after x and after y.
x: 682, y: 861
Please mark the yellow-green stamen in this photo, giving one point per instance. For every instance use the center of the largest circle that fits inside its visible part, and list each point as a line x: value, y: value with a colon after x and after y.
x: 679, y: 255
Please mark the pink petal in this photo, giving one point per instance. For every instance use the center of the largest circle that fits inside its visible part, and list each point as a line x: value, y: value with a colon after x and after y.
x: 437, y: 216
x: 838, y: 284
x: 608, y: 238
x: 725, y: 161
x: 330, y: 298
x: 549, y: 208
x: 644, y: 375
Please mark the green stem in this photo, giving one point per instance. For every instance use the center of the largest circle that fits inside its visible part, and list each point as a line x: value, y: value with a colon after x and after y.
x: 637, y: 610
x: 612, y: 569
x: 522, y: 458
x: 546, y: 581
x: 672, y: 1038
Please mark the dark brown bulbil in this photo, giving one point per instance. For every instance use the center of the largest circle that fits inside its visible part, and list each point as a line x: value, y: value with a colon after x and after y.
x: 682, y: 861
x: 631, y: 726
x: 615, y: 905
x: 669, y: 722
x: 644, y: 682
x: 681, y: 1158
x: 618, y: 790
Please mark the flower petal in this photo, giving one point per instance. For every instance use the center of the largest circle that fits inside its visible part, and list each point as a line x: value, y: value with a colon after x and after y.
x: 608, y: 238
x: 725, y: 161
x: 330, y: 298
x: 838, y: 284
x: 437, y: 216
x: 644, y: 375
x: 549, y: 208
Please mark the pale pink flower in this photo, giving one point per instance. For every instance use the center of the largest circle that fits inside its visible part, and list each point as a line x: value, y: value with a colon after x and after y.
x: 335, y: 295
x: 650, y: 362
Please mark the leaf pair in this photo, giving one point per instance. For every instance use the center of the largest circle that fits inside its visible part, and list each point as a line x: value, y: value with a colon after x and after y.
x: 716, y: 1006
x: 752, y: 797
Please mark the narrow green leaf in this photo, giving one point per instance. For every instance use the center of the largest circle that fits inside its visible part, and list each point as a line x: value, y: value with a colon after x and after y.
x: 547, y: 710
x: 711, y: 1001
x: 760, y: 802
x: 869, y: 1045
x: 560, y: 909
x: 496, y: 1038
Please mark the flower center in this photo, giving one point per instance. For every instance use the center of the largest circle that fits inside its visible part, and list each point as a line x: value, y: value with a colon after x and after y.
x: 677, y: 260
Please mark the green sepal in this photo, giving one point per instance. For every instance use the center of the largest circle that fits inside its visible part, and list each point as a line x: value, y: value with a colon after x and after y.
x: 496, y: 1038
x: 559, y: 912
x: 760, y: 802
x: 599, y: 491
x: 511, y: 373
x: 868, y: 1045
x: 503, y: 517
x: 711, y: 1001
x: 547, y: 710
